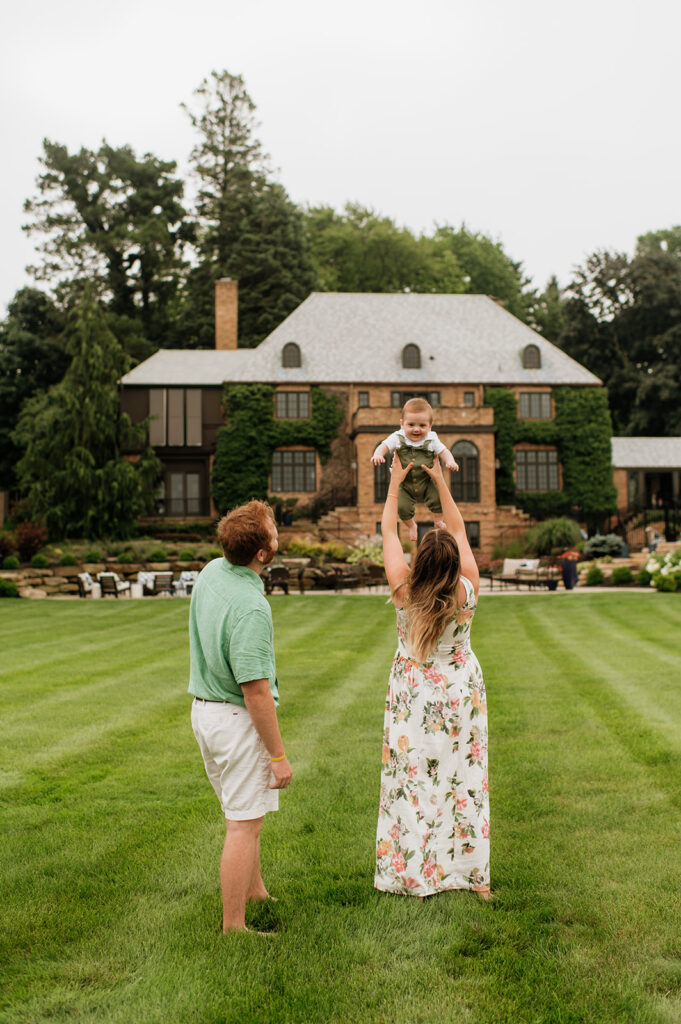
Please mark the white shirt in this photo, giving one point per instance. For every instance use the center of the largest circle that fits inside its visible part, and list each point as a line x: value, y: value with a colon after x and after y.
x: 431, y: 442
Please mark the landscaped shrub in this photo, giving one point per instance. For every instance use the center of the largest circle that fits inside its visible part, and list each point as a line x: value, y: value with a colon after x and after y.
x: 594, y: 577
x: 68, y: 559
x: 213, y: 553
x: 40, y: 562
x: 669, y: 583
x: 126, y: 557
x: 8, y: 589
x: 298, y: 548
x: 7, y: 544
x: 10, y: 562
x: 621, y: 575
x: 367, y: 553
x: 643, y: 577
x: 553, y: 535
x: 157, y: 555
x: 338, y: 552
x: 603, y: 544
x: 665, y: 570
x: 185, y: 555
x: 92, y: 555
x: 30, y: 538
x: 514, y: 549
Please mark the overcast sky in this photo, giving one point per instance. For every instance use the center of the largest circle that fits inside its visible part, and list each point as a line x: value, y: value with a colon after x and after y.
x: 552, y: 127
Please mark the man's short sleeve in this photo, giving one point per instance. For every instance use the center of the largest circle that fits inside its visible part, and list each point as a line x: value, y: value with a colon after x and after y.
x: 250, y: 647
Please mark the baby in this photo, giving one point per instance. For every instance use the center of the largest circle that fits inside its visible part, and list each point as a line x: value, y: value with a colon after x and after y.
x: 416, y: 442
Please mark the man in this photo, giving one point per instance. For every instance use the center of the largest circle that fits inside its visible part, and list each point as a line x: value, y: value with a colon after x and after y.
x: 234, y: 683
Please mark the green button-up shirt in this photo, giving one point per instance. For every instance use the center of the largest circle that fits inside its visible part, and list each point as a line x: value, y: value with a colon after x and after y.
x: 231, y: 638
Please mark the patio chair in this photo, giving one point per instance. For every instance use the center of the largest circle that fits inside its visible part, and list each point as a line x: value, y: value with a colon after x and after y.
x: 112, y: 585
x: 276, y: 576
x: 185, y: 584
x: 84, y: 581
x: 163, y: 583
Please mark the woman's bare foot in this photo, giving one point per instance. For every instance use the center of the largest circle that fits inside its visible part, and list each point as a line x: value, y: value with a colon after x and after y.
x: 485, y: 894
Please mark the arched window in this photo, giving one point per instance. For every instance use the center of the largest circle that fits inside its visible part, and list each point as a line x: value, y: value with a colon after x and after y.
x: 381, y: 481
x: 290, y: 355
x: 466, y: 482
x: 531, y: 357
x: 411, y: 357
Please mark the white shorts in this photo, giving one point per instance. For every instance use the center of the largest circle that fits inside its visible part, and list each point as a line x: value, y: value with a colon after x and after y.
x: 236, y: 759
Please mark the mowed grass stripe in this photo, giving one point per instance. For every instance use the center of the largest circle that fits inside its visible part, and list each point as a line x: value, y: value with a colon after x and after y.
x: 99, y: 641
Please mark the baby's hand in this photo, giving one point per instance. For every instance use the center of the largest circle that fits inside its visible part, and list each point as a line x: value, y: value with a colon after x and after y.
x: 452, y: 464
x: 377, y: 458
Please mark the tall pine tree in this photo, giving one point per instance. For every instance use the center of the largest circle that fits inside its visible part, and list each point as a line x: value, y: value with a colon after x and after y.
x: 248, y: 228
x: 71, y: 472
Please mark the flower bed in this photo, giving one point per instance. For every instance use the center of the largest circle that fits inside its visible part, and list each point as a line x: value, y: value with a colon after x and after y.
x: 665, y: 570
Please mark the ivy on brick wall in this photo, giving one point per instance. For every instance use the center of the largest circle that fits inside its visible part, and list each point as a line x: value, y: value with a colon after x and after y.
x: 581, y: 432
x: 243, y: 455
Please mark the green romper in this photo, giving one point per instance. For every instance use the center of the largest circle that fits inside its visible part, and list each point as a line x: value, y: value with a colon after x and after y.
x: 417, y: 485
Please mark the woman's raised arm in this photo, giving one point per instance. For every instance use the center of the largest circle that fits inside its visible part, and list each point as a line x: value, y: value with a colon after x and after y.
x: 394, y: 562
x: 455, y: 524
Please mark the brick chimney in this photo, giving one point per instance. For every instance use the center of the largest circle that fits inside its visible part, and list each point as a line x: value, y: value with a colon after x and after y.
x: 226, y: 313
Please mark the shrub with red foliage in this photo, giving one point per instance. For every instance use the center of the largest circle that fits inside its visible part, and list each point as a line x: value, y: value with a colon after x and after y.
x: 30, y: 538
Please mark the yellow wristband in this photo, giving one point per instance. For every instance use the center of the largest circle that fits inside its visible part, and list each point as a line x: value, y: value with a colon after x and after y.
x: 278, y: 758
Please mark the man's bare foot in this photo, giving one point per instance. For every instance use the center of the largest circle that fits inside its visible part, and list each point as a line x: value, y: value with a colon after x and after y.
x: 262, y: 898
x: 413, y: 530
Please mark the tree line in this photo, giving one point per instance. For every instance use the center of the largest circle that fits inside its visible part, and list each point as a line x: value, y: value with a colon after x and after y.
x: 126, y: 263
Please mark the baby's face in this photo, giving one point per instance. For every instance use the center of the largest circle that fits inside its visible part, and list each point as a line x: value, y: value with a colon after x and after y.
x: 416, y: 425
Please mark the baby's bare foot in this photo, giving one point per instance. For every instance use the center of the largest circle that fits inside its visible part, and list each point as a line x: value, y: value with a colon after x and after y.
x: 413, y: 530
x: 440, y: 524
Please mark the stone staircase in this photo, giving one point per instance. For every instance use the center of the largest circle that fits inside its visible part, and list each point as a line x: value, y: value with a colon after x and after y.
x: 341, y: 524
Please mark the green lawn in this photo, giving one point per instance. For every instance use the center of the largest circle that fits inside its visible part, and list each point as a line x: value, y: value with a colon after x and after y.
x: 111, y: 835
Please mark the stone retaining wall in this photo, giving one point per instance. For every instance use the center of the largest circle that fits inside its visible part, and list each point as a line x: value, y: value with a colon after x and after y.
x: 61, y: 580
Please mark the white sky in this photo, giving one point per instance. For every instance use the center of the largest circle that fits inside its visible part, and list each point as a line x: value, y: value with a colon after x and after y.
x: 552, y: 127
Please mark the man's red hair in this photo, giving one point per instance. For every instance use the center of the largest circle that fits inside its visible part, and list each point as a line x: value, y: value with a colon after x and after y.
x: 244, y: 531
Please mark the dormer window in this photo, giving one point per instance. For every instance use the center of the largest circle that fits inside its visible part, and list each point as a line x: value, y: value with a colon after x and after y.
x: 411, y: 357
x: 290, y: 355
x: 531, y: 357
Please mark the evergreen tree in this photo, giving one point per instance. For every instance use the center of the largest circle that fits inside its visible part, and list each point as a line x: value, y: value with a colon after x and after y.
x: 71, y: 471
x: 32, y: 357
x: 248, y: 228
x: 487, y: 269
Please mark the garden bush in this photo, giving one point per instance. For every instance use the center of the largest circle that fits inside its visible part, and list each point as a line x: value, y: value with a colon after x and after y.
x: 68, y: 559
x: 10, y: 562
x: 643, y: 577
x: 553, y: 535
x: 367, y: 553
x: 92, y: 555
x: 7, y: 544
x: 603, y: 544
x: 213, y: 553
x: 126, y: 557
x: 185, y: 555
x: 40, y: 562
x: 665, y: 570
x: 594, y: 577
x: 8, y: 589
x: 157, y: 555
x: 621, y: 575
x: 30, y: 538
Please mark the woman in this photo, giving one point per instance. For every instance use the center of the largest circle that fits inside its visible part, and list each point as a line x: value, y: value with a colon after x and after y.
x: 433, y: 821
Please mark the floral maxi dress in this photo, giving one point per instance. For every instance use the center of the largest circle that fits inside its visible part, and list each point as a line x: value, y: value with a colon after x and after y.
x: 433, y: 818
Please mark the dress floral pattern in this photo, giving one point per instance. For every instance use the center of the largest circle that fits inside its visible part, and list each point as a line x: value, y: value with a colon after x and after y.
x: 433, y: 818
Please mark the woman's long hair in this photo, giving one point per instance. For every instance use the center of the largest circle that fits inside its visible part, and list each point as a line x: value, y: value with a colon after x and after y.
x: 431, y: 591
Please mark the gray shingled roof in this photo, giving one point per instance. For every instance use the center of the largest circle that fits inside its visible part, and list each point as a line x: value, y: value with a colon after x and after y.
x: 358, y: 338
x: 646, y: 452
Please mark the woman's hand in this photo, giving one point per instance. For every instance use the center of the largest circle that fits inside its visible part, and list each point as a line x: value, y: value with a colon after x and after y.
x: 436, y: 472
x: 398, y: 472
